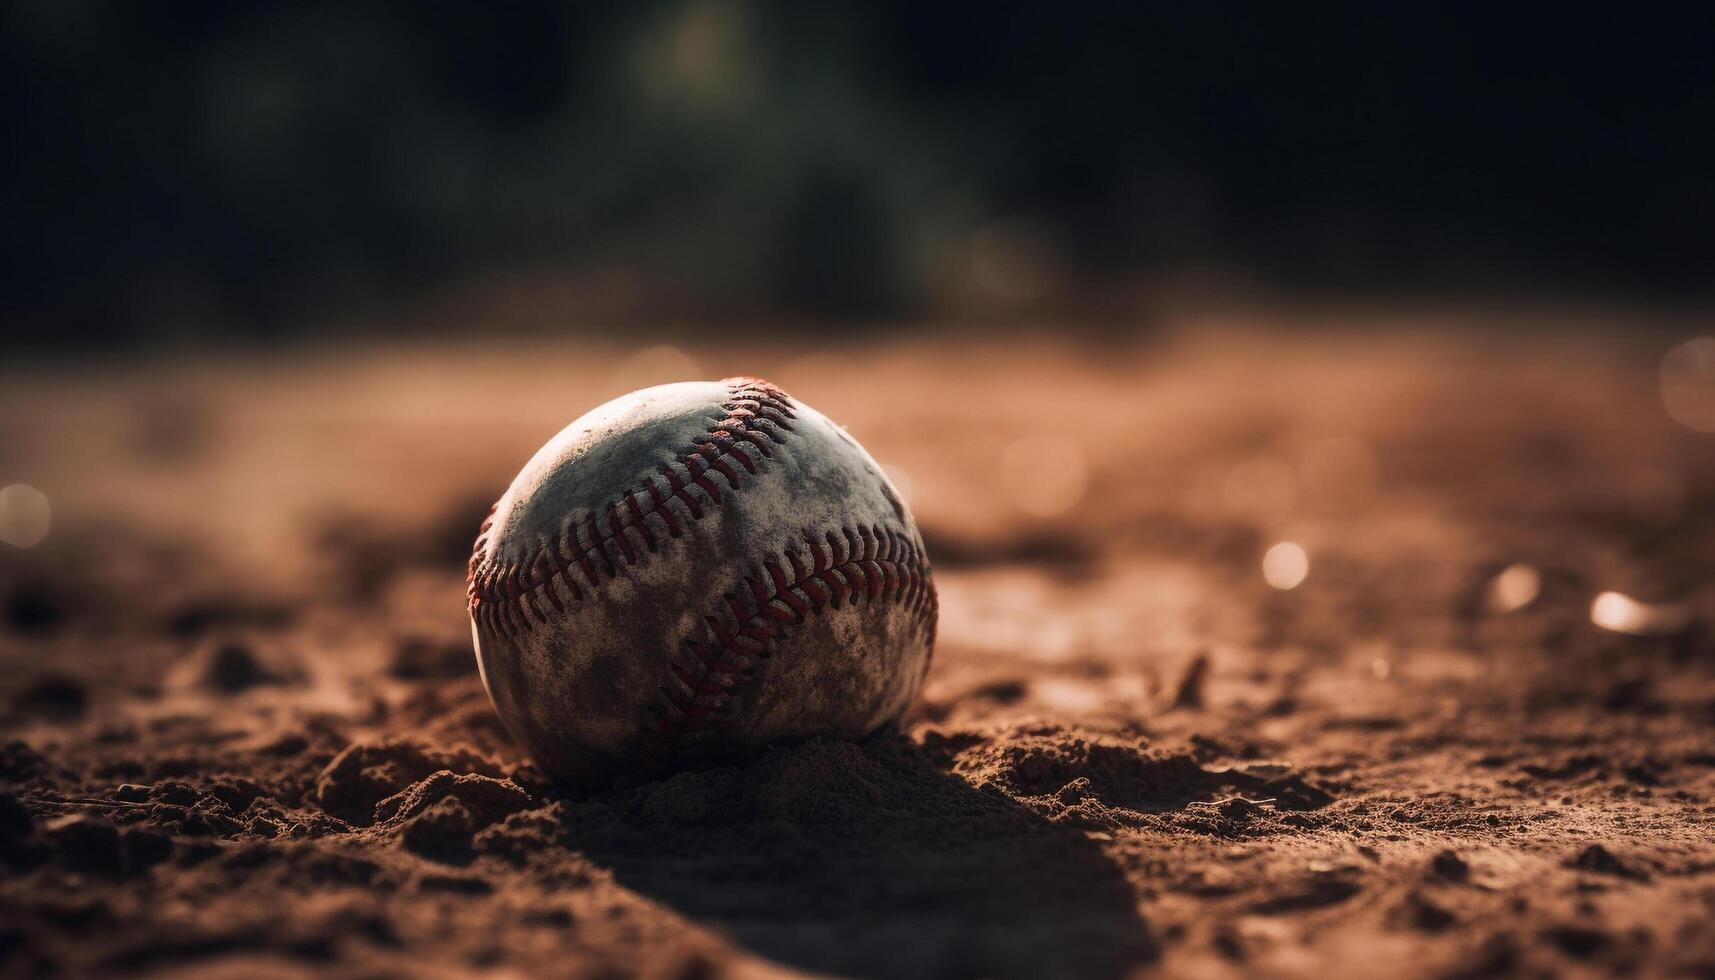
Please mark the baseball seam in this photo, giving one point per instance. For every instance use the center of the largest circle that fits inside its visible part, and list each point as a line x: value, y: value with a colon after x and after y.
x: 512, y: 598
x: 855, y: 563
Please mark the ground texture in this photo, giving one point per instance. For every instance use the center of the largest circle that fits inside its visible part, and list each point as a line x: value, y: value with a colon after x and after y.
x: 243, y: 734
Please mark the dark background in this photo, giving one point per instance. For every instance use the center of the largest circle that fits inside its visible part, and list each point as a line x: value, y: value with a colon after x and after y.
x: 211, y: 170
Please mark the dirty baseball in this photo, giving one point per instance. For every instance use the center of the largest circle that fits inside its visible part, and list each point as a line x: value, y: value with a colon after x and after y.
x: 691, y: 572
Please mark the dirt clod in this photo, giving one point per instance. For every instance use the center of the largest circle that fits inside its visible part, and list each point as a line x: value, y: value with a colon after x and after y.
x: 1449, y: 865
x: 1600, y: 860
x: 441, y: 832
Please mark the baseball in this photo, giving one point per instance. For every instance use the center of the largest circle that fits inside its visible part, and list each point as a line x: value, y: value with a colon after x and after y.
x: 693, y: 571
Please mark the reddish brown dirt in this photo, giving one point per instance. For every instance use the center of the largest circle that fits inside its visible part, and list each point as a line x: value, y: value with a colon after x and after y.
x: 243, y: 735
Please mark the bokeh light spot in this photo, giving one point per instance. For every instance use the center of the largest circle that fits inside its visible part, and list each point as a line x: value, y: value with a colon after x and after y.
x: 23, y: 516
x: 1688, y: 384
x: 1516, y: 587
x: 1285, y: 565
x: 1624, y: 614
x: 1044, y: 476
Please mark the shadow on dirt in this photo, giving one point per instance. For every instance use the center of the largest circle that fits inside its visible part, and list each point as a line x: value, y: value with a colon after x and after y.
x: 868, y: 860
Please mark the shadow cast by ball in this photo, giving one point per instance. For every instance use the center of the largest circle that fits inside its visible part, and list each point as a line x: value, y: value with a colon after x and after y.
x: 867, y: 860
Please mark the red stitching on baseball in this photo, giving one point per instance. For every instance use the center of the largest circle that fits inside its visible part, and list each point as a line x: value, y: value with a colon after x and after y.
x: 737, y: 649
x: 503, y: 596
x: 660, y: 504
x: 638, y: 522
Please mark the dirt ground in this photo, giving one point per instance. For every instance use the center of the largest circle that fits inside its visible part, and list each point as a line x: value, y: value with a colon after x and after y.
x: 244, y: 736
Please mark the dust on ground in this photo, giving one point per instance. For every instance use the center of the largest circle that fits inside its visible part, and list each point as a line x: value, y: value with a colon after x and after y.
x: 243, y: 735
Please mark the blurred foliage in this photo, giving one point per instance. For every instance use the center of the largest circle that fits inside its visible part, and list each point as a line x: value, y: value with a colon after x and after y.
x: 219, y: 165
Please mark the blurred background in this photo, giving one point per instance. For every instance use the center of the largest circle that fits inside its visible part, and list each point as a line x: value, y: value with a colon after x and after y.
x: 237, y: 170
x: 1307, y: 409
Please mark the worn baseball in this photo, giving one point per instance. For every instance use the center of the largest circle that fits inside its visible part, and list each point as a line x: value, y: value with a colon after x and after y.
x: 693, y: 571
